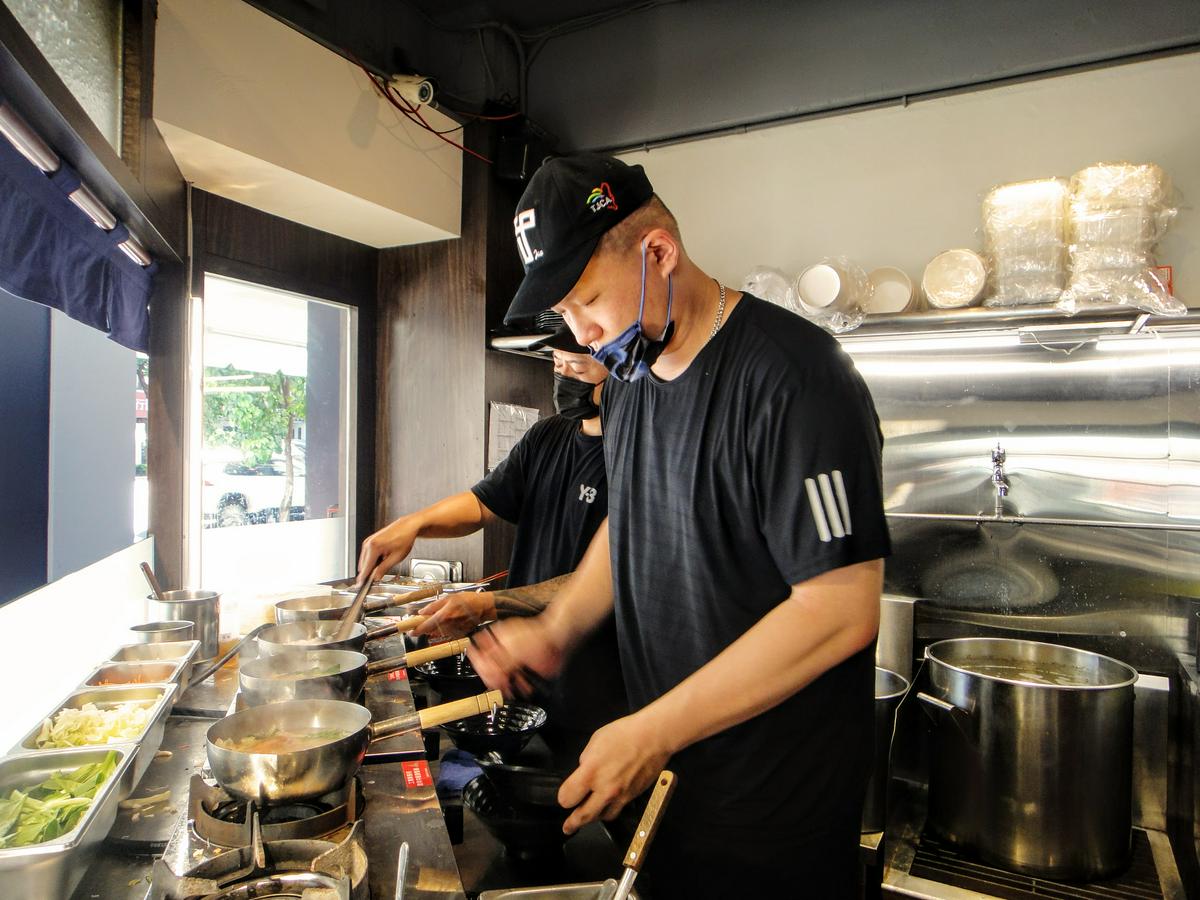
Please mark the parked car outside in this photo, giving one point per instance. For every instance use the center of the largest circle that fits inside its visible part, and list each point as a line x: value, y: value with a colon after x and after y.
x: 237, y: 494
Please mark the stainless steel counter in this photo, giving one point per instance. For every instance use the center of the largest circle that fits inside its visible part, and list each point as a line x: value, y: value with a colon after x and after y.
x: 401, y: 804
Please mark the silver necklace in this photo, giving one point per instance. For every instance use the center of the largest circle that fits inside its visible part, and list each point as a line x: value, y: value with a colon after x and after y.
x: 720, y: 312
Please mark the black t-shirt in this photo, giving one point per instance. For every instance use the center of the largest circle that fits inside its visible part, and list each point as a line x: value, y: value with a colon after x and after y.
x: 552, y: 485
x: 757, y: 468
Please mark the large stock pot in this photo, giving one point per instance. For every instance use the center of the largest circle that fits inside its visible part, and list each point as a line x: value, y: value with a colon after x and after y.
x: 1031, y: 758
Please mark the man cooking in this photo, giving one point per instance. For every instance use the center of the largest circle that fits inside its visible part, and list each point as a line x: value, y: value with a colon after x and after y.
x: 742, y: 554
x: 553, y: 486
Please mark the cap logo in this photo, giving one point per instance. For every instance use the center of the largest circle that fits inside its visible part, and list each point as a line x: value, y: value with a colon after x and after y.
x: 523, y: 223
x: 601, y: 198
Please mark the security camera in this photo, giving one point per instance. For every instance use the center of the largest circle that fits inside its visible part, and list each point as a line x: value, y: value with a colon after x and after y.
x: 416, y: 89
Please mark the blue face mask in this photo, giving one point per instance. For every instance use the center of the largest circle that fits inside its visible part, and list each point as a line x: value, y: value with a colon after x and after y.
x: 630, y: 354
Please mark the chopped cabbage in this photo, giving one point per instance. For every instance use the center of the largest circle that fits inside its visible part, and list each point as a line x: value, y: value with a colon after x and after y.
x: 90, y: 725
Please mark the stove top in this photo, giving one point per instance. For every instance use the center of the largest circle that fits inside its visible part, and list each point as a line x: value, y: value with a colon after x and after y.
x: 334, y: 868
x: 218, y: 818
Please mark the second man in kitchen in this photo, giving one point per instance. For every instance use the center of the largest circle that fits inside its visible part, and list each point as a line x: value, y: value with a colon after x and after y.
x: 553, y: 486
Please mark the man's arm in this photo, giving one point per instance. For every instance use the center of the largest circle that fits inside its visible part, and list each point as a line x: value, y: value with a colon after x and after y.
x: 826, y: 620
x: 530, y: 599
x: 453, y: 516
x: 455, y: 615
x: 543, y: 642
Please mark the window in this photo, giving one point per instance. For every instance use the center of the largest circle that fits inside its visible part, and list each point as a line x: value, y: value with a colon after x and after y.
x: 274, y: 439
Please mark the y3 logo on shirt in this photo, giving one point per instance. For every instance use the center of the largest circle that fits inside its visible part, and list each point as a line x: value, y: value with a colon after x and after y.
x: 587, y: 494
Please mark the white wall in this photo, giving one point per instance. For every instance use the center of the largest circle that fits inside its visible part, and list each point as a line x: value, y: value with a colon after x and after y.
x: 896, y: 186
x: 56, y: 635
x: 254, y: 111
x: 92, y: 385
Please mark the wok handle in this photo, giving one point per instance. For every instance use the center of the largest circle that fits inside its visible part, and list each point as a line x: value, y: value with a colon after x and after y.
x: 401, y: 599
x: 438, y: 651
x: 406, y: 624
x: 436, y: 715
x: 648, y: 826
x: 460, y: 709
x: 416, y: 657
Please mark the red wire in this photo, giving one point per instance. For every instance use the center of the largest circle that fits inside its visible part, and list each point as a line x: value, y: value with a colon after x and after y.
x: 385, y: 91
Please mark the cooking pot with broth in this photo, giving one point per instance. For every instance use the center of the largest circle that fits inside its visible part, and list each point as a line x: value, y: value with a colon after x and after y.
x: 1031, y: 763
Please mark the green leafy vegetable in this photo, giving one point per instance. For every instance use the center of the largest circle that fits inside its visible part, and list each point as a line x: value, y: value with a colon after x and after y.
x: 53, y: 807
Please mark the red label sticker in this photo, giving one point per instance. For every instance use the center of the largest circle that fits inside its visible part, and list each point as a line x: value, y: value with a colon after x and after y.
x: 398, y: 675
x: 417, y: 774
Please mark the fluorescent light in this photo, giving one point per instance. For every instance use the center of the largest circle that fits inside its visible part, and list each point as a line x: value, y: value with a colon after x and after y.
x: 908, y: 344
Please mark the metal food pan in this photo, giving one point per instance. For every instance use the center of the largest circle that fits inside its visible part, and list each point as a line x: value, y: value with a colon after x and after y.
x: 51, y: 870
x: 584, y: 891
x: 144, y: 746
x: 122, y: 674
x: 182, y: 652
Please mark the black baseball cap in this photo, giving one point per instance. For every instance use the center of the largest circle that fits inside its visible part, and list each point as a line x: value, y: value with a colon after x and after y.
x: 570, y: 203
x: 562, y: 339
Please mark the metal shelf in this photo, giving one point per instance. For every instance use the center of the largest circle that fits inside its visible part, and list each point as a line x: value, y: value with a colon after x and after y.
x: 1036, y: 321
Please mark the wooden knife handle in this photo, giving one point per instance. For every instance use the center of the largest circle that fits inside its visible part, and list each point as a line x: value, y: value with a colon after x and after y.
x: 638, y: 847
x: 438, y: 651
x: 460, y: 709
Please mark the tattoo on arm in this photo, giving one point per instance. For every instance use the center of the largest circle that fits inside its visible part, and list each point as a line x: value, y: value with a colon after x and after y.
x: 529, y: 600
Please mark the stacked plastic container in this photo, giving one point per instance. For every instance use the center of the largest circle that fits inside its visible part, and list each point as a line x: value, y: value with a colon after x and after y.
x: 1117, y: 213
x: 1024, y: 227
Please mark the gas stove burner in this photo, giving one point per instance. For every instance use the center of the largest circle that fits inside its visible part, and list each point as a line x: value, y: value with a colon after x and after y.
x: 234, y: 812
x: 220, y: 819
x: 299, y: 885
x: 304, y: 869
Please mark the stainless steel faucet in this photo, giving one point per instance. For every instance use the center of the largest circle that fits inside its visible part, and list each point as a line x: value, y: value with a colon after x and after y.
x: 999, y: 479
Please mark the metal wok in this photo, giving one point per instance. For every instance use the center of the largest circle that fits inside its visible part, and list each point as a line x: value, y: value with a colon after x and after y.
x: 319, y: 635
x: 303, y: 774
x: 326, y: 674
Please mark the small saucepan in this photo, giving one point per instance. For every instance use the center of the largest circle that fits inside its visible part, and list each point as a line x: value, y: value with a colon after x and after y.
x: 325, y: 674
x: 299, y: 749
x: 320, y: 635
x: 329, y: 607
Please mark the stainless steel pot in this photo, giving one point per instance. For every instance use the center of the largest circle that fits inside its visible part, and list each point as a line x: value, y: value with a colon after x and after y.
x: 159, y: 632
x: 890, y: 689
x: 1031, y: 763
x: 200, y: 607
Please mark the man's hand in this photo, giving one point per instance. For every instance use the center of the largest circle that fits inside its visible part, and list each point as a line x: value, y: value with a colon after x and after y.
x: 620, y: 761
x: 456, y: 615
x: 512, y: 654
x: 386, y: 548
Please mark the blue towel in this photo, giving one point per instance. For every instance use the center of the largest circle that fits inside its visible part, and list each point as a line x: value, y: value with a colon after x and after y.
x: 455, y: 770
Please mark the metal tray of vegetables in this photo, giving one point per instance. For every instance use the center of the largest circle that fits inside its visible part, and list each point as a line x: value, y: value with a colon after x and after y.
x: 55, y: 810
x: 97, y: 716
x: 182, y: 653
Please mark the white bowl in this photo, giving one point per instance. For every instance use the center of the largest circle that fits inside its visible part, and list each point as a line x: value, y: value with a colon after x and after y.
x: 893, y: 291
x: 954, y: 279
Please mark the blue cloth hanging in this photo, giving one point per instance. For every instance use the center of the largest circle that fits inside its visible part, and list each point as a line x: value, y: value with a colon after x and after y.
x: 53, y: 254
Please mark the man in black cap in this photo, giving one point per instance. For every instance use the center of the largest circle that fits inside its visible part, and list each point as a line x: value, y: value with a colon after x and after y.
x: 742, y: 554
x: 552, y: 485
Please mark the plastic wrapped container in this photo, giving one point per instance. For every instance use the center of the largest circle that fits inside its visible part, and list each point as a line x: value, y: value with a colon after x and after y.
x: 954, y: 279
x: 1024, y: 227
x: 834, y: 293
x: 1116, y: 214
x: 772, y: 285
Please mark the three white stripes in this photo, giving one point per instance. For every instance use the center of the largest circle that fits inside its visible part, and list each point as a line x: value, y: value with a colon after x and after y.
x: 832, y: 516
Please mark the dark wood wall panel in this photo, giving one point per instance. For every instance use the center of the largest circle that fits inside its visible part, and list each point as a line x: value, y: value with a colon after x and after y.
x: 236, y: 241
x: 437, y: 377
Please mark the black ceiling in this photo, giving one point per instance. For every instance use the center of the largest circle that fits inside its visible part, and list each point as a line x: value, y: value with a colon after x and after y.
x: 523, y: 16
x: 604, y: 74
